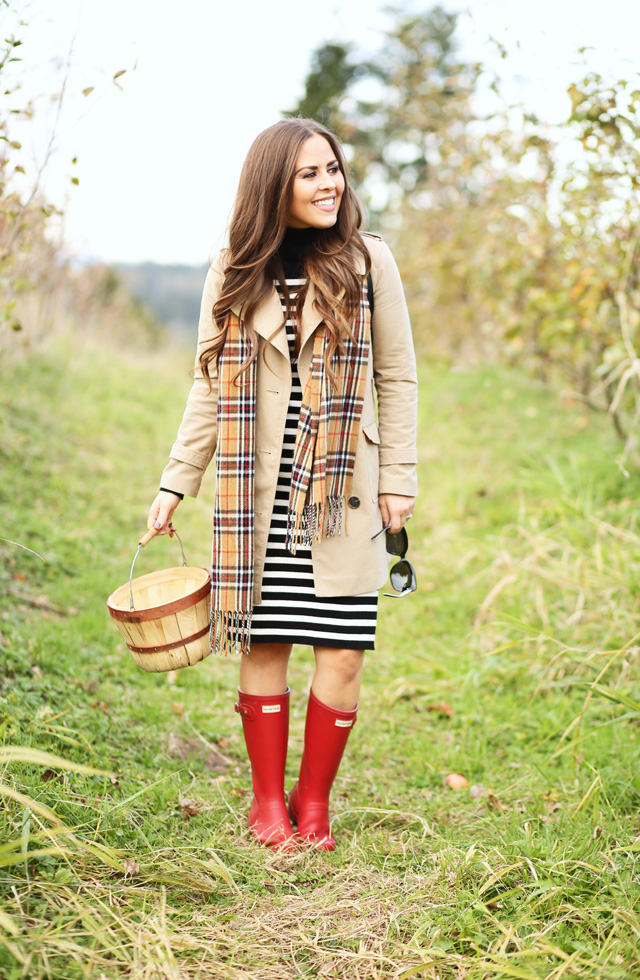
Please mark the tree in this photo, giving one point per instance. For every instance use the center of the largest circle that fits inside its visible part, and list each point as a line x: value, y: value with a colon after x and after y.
x: 415, y: 88
x: 330, y: 75
x: 27, y: 256
x: 505, y: 249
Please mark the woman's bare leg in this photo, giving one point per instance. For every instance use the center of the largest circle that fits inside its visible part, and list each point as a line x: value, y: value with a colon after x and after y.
x: 337, y: 678
x: 264, y: 670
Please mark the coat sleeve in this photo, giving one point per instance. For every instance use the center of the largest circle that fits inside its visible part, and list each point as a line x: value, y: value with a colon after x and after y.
x: 195, y: 444
x: 394, y: 371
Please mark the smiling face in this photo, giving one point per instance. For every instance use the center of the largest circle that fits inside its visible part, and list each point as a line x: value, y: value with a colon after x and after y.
x: 318, y: 185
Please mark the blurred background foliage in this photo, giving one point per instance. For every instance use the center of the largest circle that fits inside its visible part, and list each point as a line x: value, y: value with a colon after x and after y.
x: 516, y: 240
x: 44, y: 292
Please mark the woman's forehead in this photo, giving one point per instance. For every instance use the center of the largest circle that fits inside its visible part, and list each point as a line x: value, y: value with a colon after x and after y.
x: 316, y: 151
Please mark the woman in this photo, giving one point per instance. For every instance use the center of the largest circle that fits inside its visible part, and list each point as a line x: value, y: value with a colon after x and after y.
x: 289, y: 357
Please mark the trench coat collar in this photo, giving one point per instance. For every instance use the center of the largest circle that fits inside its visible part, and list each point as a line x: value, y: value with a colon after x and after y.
x: 269, y: 315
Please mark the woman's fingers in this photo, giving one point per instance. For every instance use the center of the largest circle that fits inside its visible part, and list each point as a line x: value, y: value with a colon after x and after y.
x: 395, y: 510
x: 384, y: 510
x: 161, y: 512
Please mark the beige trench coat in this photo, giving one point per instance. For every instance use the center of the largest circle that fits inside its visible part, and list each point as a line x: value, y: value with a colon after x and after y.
x: 349, y: 563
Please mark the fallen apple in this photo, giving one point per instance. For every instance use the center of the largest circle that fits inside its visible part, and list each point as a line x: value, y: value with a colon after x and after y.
x: 456, y: 781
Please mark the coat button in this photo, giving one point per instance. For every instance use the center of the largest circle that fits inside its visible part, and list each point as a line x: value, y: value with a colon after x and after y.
x: 354, y: 502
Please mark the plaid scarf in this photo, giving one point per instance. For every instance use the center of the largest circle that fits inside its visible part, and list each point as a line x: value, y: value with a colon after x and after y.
x: 322, y: 473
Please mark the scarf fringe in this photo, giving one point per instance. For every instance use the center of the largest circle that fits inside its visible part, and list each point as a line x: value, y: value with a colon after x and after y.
x: 315, y: 521
x: 230, y: 631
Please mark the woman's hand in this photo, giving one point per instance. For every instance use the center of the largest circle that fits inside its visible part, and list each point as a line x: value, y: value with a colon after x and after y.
x: 161, y: 512
x: 395, y: 510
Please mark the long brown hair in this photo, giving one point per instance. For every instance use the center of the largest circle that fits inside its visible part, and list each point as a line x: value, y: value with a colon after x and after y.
x: 258, y: 225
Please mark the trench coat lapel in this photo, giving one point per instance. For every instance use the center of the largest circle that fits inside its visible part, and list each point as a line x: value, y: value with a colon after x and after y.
x: 269, y: 315
x: 310, y: 318
x: 267, y: 318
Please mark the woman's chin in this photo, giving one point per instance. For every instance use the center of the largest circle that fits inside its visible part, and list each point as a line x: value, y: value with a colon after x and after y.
x: 324, y: 220
x: 314, y: 219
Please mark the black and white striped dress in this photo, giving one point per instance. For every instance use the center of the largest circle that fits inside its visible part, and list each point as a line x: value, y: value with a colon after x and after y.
x: 290, y: 612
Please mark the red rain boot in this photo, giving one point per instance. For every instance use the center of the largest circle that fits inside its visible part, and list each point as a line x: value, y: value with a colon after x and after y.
x: 265, y: 722
x: 325, y: 737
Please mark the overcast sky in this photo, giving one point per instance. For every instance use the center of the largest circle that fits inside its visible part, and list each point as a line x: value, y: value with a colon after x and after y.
x: 159, y: 157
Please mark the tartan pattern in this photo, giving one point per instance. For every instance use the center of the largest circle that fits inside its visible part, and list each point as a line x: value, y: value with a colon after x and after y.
x: 323, y: 461
x: 327, y: 435
x: 232, y: 562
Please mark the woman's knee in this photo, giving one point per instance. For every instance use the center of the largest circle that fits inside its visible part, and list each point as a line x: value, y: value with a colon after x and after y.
x: 269, y: 653
x: 264, y: 670
x: 345, y: 665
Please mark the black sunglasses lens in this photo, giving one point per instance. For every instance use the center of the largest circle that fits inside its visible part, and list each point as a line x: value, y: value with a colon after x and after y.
x: 398, y: 543
x: 403, y: 577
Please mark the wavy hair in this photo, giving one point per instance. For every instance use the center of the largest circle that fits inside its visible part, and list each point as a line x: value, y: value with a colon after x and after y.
x: 257, y: 228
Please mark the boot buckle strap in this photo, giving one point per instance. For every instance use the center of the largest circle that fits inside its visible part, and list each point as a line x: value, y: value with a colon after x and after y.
x: 246, y: 710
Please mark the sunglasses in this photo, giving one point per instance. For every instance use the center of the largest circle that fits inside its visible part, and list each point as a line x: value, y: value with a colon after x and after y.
x: 402, y: 575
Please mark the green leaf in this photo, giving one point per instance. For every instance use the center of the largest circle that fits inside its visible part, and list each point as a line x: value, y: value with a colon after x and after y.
x: 617, y: 696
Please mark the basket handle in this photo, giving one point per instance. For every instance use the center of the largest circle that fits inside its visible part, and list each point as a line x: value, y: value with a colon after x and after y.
x: 145, y: 539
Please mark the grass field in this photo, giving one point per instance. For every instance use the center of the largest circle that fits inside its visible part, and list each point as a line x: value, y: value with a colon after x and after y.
x: 515, y: 665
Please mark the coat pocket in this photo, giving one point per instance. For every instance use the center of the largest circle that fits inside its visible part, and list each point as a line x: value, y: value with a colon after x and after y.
x: 372, y: 456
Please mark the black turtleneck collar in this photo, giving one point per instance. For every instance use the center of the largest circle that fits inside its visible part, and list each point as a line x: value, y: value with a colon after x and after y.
x: 293, y: 249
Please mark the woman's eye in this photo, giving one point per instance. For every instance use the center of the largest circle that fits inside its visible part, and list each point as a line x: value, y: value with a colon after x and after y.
x: 311, y: 173
x: 334, y: 170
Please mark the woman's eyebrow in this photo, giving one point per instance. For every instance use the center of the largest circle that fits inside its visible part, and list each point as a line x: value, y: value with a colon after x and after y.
x: 315, y: 166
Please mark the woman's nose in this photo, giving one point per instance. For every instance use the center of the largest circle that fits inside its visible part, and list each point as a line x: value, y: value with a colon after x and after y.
x: 329, y: 181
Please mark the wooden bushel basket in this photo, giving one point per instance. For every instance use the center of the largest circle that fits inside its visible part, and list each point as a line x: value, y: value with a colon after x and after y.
x: 164, y: 616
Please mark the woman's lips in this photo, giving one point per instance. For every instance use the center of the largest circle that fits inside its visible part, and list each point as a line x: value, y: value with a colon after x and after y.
x: 325, y: 203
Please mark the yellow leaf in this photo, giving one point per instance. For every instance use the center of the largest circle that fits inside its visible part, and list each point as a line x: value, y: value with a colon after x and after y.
x: 8, y: 924
x: 23, y: 753
x: 32, y: 805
